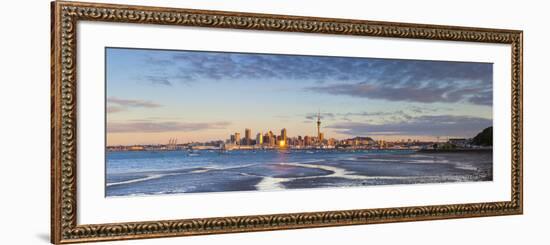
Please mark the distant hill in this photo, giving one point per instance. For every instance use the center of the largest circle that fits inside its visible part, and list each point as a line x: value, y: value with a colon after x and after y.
x: 361, y: 138
x: 485, y: 138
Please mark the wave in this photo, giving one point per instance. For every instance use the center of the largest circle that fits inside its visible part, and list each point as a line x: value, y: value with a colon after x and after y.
x: 149, y: 177
x: 465, y: 166
x: 210, y: 168
x: 438, y: 161
x: 351, y: 159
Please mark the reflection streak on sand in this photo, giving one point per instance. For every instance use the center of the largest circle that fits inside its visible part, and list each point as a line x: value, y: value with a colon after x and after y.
x: 157, y: 176
x: 275, y: 183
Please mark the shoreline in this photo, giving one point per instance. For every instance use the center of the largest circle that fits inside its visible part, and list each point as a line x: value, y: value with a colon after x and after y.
x: 463, y: 150
x: 273, y: 149
x: 473, y: 150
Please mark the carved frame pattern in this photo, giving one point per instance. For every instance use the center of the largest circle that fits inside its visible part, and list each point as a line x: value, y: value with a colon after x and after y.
x: 65, y: 15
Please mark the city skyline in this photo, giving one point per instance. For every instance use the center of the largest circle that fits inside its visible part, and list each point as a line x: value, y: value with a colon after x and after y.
x: 155, y: 95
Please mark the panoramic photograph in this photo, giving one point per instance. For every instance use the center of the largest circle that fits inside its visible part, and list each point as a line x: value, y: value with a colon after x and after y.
x: 183, y: 121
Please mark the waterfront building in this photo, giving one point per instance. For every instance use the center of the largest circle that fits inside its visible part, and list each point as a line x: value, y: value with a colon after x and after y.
x: 238, y: 138
x: 283, y: 135
x: 247, y: 136
x: 136, y: 148
x: 259, y: 139
x: 307, y: 140
x: 299, y: 141
x: 271, y: 138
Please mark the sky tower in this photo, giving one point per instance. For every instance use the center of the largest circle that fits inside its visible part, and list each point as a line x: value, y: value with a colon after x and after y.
x: 319, y: 125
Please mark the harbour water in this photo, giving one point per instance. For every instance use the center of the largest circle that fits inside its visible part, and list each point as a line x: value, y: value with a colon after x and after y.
x: 131, y: 173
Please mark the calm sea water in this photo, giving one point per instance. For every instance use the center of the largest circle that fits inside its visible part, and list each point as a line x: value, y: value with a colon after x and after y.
x: 150, y: 173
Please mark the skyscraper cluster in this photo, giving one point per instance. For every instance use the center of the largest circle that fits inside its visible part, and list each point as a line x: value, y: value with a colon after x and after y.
x: 267, y: 139
x: 270, y: 139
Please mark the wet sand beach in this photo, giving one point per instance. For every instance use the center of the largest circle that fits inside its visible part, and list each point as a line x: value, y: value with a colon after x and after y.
x: 147, y: 173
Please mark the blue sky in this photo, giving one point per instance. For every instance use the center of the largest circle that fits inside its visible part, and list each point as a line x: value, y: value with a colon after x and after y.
x: 154, y: 95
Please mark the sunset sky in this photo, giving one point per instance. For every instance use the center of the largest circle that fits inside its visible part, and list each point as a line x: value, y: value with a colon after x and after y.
x: 154, y: 95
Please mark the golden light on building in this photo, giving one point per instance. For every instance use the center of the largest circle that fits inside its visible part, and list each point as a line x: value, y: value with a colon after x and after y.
x: 282, y: 143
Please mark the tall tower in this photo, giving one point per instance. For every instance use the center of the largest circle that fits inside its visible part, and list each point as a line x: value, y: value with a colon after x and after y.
x: 319, y: 125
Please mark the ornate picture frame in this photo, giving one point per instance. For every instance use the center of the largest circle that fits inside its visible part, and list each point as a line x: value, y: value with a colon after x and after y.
x: 64, y: 107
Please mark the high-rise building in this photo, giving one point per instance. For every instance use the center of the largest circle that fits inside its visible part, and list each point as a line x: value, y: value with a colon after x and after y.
x: 271, y: 138
x: 259, y: 139
x: 247, y: 136
x: 321, y: 137
x: 232, y: 139
x: 307, y: 140
x: 238, y: 138
x: 283, y: 135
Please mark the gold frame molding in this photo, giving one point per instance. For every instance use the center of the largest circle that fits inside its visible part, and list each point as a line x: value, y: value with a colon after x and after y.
x: 66, y: 15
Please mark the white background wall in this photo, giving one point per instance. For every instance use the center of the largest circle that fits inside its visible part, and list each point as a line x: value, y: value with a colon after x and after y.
x: 25, y: 108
